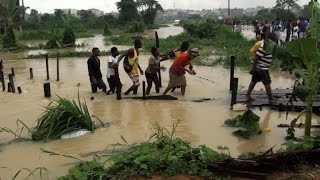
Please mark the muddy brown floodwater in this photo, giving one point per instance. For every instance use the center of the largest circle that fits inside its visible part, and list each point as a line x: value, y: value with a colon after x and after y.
x: 201, y: 123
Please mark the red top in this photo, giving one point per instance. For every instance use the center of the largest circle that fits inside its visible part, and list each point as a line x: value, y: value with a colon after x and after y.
x: 175, y: 67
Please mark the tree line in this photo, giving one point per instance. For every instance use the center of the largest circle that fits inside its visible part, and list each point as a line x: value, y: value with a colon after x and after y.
x: 134, y: 13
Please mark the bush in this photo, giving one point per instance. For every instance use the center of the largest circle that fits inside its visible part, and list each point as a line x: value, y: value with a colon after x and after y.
x: 163, y: 154
x: 34, y: 35
x: 106, y: 30
x: 136, y: 27
x: 9, y: 40
x: 54, y: 41
x: 68, y: 38
x: 60, y: 117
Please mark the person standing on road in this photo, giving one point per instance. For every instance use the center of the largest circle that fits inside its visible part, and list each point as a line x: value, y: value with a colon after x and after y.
x: 303, y: 28
x: 276, y: 29
x: 289, y: 30
x: 95, y: 74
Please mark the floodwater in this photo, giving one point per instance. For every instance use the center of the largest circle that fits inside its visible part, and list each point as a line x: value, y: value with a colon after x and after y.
x: 201, y: 123
x: 165, y: 32
x: 96, y: 41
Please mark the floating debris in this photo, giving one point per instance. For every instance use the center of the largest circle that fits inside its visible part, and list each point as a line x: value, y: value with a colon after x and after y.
x: 75, y: 134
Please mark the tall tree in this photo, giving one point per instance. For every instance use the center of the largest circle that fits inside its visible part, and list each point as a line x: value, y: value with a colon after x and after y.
x: 148, y: 10
x: 10, y: 14
x: 59, y: 18
x: 305, y: 12
x: 127, y: 10
x: 33, y: 21
x: 287, y: 4
x: 68, y: 37
x: 264, y: 14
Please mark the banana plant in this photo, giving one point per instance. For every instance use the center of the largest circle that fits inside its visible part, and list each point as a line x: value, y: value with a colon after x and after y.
x: 306, y: 58
x: 302, y: 55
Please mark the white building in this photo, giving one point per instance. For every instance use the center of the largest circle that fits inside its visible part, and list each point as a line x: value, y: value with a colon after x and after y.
x: 96, y: 12
x: 73, y: 12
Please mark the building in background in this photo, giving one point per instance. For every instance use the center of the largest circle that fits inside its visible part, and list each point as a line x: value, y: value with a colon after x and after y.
x: 96, y: 12
x: 73, y: 12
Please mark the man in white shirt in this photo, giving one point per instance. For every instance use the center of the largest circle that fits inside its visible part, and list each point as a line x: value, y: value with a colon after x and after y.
x: 112, y: 64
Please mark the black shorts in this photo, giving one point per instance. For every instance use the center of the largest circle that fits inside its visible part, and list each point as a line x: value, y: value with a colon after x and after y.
x: 261, y: 75
x: 151, y: 75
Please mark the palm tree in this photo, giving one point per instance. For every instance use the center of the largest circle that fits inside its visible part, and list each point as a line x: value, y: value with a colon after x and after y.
x: 10, y: 14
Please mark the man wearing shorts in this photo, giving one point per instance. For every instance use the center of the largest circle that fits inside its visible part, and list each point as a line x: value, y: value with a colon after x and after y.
x: 260, y: 69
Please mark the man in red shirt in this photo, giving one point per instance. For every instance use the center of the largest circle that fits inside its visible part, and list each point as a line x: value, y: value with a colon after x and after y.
x: 178, y: 69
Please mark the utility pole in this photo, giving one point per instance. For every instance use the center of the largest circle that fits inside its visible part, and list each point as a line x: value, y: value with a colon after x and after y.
x: 228, y: 9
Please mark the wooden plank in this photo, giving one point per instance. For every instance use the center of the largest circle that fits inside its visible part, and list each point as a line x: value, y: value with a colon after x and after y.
x: 13, y: 88
x: 280, y: 104
x: 274, y: 92
x: 47, y: 67
x: 232, y: 64
x: 2, y: 80
x: 161, y: 97
x: 247, y: 174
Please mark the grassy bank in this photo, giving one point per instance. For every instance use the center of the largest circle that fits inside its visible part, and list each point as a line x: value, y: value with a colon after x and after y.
x: 165, y: 155
x: 67, y: 54
x: 46, y: 34
x: 216, y: 43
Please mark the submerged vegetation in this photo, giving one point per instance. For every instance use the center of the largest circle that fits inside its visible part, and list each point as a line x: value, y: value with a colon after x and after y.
x: 60, y: 117
x: 247, y: 121
x: 208, y: 37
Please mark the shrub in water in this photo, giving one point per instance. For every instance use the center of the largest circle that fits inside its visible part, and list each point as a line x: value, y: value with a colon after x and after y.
x: 60, y: 117
x: 136, y: 27
x: 106, y: 30
x: 54, y: 41
x: 69, y: 38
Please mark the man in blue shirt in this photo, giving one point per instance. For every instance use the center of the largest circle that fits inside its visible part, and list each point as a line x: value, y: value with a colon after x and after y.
x: 303, y: 28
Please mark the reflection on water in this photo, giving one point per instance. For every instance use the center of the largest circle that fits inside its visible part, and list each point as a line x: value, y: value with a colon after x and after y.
x: 201, y: 123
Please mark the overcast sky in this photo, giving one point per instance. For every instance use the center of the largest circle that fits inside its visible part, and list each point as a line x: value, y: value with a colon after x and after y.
x: 109, y: 5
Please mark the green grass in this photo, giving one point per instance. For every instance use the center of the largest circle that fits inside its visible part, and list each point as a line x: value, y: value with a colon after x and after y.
x: 225, y: 42
x: 156, y: 26
x: 46, y: 34
x: 69, y: 54
x: 163, y: 154
x: 60, y: 117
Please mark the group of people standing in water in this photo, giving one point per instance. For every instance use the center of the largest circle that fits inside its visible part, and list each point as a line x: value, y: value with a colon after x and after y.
x: 181, y: 64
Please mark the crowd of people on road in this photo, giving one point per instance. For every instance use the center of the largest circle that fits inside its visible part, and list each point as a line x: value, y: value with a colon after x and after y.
x: 294, y: 29
x: 180, y: 66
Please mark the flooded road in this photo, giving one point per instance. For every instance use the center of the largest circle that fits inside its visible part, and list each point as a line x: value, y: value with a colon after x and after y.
x: 165, y: 32
x: 201, y: 123
x: 96, y: 41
